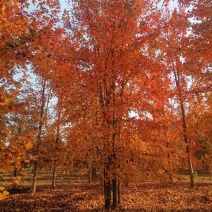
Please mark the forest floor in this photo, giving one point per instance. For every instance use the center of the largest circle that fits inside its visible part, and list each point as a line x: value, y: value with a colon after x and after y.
x: 84, y: 197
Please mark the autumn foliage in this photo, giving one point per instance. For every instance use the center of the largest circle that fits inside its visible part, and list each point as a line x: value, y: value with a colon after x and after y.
x: 120, y: 89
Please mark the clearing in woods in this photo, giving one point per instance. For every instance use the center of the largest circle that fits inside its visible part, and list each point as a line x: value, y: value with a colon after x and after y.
x: 147, y: 196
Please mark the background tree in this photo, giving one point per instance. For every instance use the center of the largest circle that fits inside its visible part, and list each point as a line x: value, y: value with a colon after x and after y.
x: 13, y: 24
x: 198, y: 63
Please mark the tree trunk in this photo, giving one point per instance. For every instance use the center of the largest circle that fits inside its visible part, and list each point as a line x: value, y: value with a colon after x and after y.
x: 42, y: 107
x: 191, y: 173
x: 111, y: 192
x: 53, y: 176
x: 108, y: 195
x: 169, y: 171
x: 115, y: 194
x: 56, y: 145
x: 35, y: 174
x: 190, y: 167
x: 119, y: 193
x: 89, y: 175
x: 107, y: 190
x: 15, y: 172
x: 184, y: 126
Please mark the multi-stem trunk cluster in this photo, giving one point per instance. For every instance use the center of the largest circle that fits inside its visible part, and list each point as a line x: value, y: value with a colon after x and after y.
x: 108, y: 105
x: 111, y: 185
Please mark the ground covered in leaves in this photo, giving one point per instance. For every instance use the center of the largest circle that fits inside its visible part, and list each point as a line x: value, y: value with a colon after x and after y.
x: 84, y: 197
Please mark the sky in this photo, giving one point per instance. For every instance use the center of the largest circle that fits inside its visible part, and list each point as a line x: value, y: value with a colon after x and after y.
x: 64, y: 5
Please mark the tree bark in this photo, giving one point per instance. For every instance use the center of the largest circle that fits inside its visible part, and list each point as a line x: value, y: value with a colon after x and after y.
x: 42, y: 112
x: 115, y: 194
x: 119, y: 193
x: 35, y: 175
x: 190, y: 167
x: 56, y: 145
x: 184, y: 126
x: 89, y: 175
x: 191, y: 173
x: 108, y: 196
x: 107, y: 190
x: 111, y: 192
x: 54, y: 176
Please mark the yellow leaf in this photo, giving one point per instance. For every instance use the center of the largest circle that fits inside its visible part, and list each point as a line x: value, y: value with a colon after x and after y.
x: 29, y: 145
x: 3, y: 193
